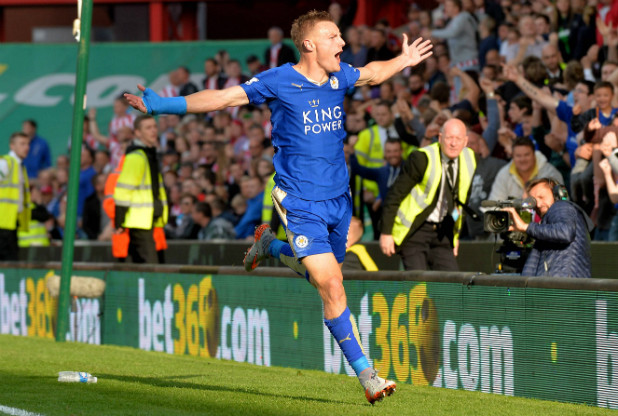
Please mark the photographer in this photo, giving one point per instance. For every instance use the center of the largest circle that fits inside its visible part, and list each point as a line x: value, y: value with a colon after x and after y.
x: 562, y: 246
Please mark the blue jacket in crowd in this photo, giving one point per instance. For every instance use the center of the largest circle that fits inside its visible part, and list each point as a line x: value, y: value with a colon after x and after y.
x: 562, y: 246
x: 251, y: 218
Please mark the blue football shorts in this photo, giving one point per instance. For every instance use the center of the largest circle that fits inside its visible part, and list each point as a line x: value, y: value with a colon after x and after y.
x: 315, y: 227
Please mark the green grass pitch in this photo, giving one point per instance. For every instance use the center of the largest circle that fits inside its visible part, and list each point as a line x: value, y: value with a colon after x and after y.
x: 134, y: 382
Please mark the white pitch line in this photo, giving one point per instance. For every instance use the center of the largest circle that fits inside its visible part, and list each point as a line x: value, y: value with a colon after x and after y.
x: 13, y: 411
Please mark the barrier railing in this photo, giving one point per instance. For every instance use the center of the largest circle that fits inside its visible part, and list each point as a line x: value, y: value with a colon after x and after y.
x: 473, y: 257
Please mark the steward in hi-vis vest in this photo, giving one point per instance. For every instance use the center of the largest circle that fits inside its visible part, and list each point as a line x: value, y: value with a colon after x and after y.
x: 139, y: 196
x: 423, y: 211
x: 14, y: 196
x: 120, y: 242
x: 370, y: 153
x: 36, y: 235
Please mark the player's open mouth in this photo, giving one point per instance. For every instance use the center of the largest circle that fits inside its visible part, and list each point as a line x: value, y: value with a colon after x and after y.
x: 338, y: 55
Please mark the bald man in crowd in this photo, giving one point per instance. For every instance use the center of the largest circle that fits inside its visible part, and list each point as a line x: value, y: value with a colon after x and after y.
x: 423, y: 212
x: 553, y: 62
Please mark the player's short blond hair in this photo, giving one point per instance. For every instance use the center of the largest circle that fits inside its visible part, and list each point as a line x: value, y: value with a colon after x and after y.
x: 303, y: 25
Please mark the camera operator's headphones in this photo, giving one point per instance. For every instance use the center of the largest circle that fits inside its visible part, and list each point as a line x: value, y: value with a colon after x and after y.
x: 560, y: 191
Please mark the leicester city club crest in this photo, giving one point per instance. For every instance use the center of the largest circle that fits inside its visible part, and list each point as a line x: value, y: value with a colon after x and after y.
x: 301, y: 241
x: 334, y: 82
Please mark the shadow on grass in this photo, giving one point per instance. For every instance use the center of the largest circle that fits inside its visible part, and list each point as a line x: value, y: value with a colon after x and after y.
x: 172, y: 381
x: 4, y: 376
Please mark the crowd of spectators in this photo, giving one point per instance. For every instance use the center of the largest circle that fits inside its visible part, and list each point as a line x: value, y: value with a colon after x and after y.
x: 534, y: 83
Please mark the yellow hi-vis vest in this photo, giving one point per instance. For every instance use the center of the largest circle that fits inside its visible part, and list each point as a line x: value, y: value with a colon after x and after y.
x: 35, y: 236
x: 9, y: 198
x: 268, y: 207
x: 423, y: 193
x: 369, y: 152
x: 134, y: 190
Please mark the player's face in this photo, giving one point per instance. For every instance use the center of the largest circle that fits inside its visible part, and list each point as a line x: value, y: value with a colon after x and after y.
x: 328, y: 45
x: 544, y: 198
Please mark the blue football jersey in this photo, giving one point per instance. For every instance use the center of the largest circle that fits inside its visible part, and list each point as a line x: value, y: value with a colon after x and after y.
x: 308, y: 129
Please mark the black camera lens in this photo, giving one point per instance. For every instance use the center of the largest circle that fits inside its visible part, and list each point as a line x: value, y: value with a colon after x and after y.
x: 496, y: 221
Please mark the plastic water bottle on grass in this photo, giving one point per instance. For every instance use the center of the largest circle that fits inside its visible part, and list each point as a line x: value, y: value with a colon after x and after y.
x: 76, y: 377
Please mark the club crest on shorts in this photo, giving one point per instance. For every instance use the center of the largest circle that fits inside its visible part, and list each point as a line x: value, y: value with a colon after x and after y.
x: 301, y: 241
x: 334, y: 82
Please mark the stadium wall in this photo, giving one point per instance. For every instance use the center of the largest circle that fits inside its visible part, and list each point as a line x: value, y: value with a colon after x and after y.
x: 37, y: 80
x: 552, y: 339
x: 473, y: 256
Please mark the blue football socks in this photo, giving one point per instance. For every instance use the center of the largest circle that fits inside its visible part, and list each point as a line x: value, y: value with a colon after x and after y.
x: 282, y: 251
x: 274, y: 249
x: 344, y: 330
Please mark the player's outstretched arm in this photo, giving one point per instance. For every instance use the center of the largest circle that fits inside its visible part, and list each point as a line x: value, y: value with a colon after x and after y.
x: 199, y: 102
x: 379, y: 71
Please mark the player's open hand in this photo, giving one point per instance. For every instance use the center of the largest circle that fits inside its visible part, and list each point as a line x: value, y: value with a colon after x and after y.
x: 135, y: 101
x: 417, y: 52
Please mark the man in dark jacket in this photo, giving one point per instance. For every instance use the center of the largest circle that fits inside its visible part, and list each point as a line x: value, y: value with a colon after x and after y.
x: 278, y: 53
x: 422, y: 214
x: 385, y: 175
x: 562, y: 246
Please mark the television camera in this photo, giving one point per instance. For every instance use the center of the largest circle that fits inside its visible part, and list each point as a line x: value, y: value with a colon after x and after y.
x: 515, y: 246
